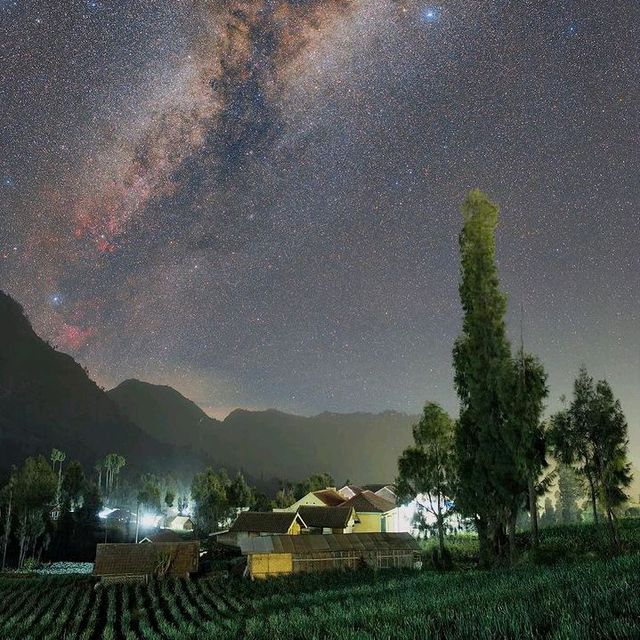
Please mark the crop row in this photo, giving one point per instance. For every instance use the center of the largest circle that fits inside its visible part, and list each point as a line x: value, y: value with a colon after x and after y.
x: 585, y: 600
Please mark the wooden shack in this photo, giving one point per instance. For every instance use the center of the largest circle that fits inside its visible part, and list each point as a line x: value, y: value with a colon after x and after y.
x: 140, y: 562
x: 283, y: 555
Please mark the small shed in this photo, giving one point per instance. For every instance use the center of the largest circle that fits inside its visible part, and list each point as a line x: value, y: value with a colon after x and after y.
x: 139, y: 562
x: 283, y: 555
x: 328, y: 519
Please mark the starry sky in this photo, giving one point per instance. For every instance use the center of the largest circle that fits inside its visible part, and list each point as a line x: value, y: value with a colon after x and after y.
x: 257, y: 201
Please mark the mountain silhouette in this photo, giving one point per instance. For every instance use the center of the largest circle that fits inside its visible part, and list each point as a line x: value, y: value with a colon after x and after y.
x: 361, y: 447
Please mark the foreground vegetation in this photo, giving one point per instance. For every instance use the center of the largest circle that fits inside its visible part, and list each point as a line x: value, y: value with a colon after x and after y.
x: 558, y: 544
x: 580, y: 600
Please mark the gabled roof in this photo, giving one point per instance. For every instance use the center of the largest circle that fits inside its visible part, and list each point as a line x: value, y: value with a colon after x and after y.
x: 329, y: 517
x: 165, y: 535
x: 179, y: 558
x: 377, y: 487
x: 369, y: 502
x: 363, y: 542
x: 330, y: 497
x: 265, y: 522
x: 350, y: 489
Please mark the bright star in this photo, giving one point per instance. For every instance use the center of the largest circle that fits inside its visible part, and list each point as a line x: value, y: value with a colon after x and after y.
x: 430, y: 14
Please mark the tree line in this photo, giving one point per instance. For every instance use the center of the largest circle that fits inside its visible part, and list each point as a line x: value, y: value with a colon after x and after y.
x: 492, y: 462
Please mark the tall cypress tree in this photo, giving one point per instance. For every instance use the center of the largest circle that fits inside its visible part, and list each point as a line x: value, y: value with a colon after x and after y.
x: 482, y: 364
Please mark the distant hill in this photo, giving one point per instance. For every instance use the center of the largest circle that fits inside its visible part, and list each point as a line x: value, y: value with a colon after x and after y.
x: 361, y: 447
x: 47, y: 400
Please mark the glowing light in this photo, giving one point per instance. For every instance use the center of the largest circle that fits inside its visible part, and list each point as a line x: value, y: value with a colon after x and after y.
x: 430, y: 14
x: 149, y: 521
x: 105, y: 513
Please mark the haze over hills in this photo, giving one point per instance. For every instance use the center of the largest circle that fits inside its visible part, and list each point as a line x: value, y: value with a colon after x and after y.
x: 361, y: 447
x: 48, y: 400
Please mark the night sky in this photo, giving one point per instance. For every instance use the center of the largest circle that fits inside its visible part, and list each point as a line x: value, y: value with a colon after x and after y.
x: 257, y: 201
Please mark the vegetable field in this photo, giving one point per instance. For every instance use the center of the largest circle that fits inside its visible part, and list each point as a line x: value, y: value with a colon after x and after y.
x: 583, y: 600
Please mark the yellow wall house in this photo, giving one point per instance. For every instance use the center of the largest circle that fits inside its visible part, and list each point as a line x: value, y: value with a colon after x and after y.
x: 324, y: 498
x: 373, y: 513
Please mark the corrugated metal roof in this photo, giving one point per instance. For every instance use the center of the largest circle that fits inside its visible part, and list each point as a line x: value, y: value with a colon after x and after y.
x: 310, y: 544
x: 146, y: 559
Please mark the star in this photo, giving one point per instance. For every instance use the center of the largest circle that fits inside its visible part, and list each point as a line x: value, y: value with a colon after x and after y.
x: 430, y: 14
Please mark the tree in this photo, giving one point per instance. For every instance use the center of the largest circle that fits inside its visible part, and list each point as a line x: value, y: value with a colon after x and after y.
x: 427, y: 468
x: 112, y: 464
x: 148, y: 496
x: 315, y: 482
x: 169, y: 498
x: 568, y: 494
x: 34, y: 491
x: 481, y: 358
x: 239, y: 493
x: 59, y: 457
x: 73, y: 484
x: 284, y: 497
x: 525, y: 435
x: 592, y: 435
x: 91, y: 507
x: 573, y: 434
x: 99, y: 467
x: 209, y: 494
x: 613, y: 467
x: 6, y: 498
x: 548, y: 517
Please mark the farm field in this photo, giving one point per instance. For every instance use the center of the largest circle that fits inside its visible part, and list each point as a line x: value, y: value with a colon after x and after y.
x: 592, y: 599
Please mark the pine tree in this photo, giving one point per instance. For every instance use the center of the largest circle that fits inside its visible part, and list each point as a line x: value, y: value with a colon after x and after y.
x: 482, y: 364
x: 613, y: 467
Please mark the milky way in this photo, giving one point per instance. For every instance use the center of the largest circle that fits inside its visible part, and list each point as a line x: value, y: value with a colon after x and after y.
x: 257, y: 201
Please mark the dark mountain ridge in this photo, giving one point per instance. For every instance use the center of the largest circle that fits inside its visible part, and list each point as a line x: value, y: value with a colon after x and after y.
x: 362, y: 447
x: 48, y: 400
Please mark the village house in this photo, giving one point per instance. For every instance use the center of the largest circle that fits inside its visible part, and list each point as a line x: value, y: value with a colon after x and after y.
x: 328, y: 497
x: 374, y: 514
x: 141, y: 562
x: 284, y: 555
x: 386, y: 491
x: 328, y: 519
x: 251, y: 524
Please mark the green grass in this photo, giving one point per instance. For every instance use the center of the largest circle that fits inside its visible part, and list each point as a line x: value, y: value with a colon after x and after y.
x: 583, y: 599
x: 561, y: 543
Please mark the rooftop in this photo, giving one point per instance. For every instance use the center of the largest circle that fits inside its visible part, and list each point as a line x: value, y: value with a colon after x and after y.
x: 369, y: 502
x: 330, y: 497
x: 364, y: 542
x: 329, y: 517
x: 180, y: 558
x: 264, y: 522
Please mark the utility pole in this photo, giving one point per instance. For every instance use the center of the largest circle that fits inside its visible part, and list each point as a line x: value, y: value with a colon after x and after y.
x: 137, y: 520
x: 7, y: 526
